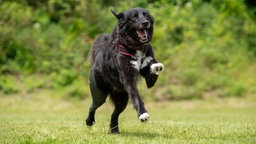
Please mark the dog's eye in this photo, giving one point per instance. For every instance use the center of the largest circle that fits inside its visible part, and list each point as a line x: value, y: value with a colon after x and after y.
x: 135, y: 16
x: 144, y: 13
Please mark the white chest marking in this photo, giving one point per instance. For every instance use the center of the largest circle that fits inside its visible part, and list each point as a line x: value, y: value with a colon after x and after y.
x: 136, y: 64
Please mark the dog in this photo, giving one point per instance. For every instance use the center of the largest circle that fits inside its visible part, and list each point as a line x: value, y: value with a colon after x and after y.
x: 117, y: 62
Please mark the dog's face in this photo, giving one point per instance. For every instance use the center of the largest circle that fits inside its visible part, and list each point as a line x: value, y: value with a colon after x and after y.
x: 135, y: 27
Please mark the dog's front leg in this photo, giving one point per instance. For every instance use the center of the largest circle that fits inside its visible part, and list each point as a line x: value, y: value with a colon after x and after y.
x: 151, y: 71
x: 138, y: 104
x: 128, y: 77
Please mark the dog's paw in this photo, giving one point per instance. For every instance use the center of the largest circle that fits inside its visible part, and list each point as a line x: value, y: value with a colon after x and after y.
x: 114, y: 130
x: 144, y: 117
x: 90, y: 121
x: 156, y: 68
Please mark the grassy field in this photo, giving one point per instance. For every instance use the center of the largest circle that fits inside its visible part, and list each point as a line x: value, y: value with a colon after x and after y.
x: 40, y: 119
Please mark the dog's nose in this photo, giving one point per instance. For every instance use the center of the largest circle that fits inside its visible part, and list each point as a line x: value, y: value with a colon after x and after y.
x: 145, y: 24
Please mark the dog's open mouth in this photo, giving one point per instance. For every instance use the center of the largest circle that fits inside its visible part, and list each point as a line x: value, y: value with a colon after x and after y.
x: 143, y: 35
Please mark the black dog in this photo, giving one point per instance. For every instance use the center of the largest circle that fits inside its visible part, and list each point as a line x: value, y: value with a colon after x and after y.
x: 118, y: 59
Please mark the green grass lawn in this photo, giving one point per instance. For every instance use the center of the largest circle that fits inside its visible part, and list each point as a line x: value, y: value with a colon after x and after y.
x: 40, y: 119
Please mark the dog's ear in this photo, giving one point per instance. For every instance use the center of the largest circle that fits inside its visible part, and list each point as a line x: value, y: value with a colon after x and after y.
x: 150, y: 17
x: 151, y: 29
x: 117, y: 15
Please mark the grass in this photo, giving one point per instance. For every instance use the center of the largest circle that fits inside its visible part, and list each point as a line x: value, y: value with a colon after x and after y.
x: 40, y: 119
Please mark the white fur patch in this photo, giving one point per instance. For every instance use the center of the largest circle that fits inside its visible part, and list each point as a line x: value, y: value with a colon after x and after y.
x: 144, y: 117
x: 139, y: 54
x: 157, y: 68
x: 146, y: 61
x: 137, y: 63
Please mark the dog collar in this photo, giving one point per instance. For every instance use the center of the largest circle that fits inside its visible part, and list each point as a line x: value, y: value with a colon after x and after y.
x: 125, y: 53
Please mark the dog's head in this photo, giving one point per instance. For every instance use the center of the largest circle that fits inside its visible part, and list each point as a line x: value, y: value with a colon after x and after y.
x: 135, y: 27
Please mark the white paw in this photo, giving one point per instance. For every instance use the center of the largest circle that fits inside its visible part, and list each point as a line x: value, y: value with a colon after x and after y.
x: 156, y: 68
x: 144, y: 117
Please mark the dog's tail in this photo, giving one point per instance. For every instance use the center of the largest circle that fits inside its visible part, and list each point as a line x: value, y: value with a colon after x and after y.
x: 91, y: 57
x: 100, y: 45
x: 95, y: 50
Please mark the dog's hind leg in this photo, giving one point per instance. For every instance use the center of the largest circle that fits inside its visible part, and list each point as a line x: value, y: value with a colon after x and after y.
x: 120, y: 100
x: 98, y: 98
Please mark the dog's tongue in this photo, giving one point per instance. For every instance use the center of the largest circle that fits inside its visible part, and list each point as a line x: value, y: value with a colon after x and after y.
x: 142, y: 34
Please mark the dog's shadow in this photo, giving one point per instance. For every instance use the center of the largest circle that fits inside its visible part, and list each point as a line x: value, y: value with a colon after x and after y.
x: 149, y: 135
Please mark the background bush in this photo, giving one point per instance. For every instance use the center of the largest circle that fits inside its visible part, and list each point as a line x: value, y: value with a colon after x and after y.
x: 208, y: 47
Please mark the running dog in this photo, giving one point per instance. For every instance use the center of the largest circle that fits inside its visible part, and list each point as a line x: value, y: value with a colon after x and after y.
x: 117, y: 62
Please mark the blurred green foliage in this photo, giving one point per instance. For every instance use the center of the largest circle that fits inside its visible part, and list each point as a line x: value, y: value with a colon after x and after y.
x: 208, y: 47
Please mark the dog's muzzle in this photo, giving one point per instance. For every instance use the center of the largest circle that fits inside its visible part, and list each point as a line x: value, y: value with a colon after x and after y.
x: 143, y: 35
x: 142, y: 32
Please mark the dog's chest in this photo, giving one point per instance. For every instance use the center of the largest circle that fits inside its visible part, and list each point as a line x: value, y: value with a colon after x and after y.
x: 138, y: 63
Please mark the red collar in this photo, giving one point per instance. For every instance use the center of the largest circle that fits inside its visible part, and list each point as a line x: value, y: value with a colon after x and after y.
x: 125, y: 53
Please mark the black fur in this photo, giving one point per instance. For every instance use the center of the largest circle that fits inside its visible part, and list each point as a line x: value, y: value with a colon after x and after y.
x: 116, y: 65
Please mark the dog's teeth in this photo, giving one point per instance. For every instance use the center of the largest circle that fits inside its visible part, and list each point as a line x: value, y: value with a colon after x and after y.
x: 143, y: 36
